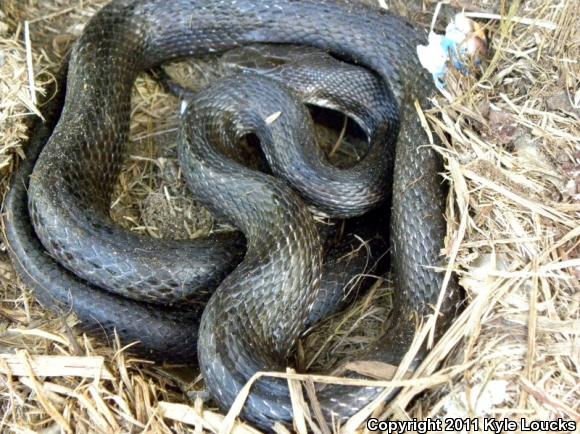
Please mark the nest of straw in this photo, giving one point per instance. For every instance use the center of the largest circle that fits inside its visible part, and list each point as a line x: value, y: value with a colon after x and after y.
x: 511, y: 140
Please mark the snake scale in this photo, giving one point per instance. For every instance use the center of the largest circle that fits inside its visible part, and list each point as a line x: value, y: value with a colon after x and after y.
x: 262, y: 305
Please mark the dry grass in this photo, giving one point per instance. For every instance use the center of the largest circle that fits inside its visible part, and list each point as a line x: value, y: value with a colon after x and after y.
x: 512, y: 143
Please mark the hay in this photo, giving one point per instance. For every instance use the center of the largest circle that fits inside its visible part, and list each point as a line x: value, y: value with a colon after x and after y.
x: 512, y: 145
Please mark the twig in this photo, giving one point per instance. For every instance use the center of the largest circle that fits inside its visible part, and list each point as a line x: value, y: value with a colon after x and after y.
x: 528, y: 21
x: 29, y: 63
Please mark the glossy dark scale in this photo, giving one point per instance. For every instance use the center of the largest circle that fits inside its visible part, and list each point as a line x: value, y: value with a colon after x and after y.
x: 247, y: 325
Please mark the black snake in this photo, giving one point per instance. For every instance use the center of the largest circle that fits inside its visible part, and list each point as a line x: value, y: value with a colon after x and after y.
x: 261, y: 308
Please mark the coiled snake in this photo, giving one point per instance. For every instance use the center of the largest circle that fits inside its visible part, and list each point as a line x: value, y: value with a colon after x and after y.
x: 259, y: 309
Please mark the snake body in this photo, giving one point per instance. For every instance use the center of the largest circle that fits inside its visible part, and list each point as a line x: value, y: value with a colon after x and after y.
x: 246, y: 326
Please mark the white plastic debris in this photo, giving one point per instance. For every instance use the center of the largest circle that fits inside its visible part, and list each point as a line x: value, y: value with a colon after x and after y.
x: 183, y: 106
x: 464, y: 40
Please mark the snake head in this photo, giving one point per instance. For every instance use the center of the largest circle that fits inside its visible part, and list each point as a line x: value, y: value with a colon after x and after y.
x: 267, y: 59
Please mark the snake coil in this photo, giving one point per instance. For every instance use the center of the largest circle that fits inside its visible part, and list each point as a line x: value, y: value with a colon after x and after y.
x: 76, y: 157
